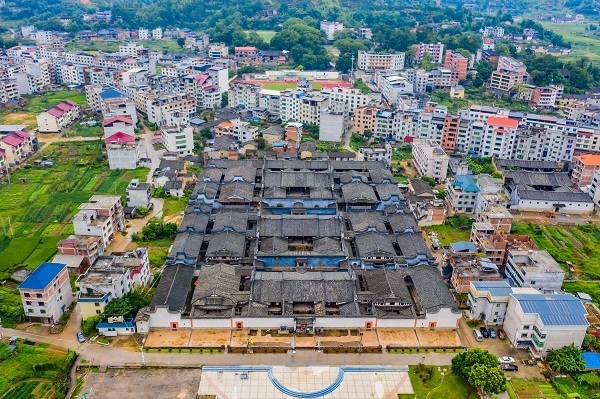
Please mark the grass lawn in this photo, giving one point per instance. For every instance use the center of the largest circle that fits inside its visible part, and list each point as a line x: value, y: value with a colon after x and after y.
x: 442, y: 385
x: 279, y: 86
x: 35, y: 371
x: 79, y: 130
x: 11, y: 309
x: 447, y: 234
x: 583, y: 43
x: 526, y: 389
x: 266, y: 35
x: 34, y: 104
x: 173, y: 206
x: 577, y: 244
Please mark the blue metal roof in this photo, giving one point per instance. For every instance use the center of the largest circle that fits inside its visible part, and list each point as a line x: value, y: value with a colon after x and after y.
x: 128, y: 323
x: 554, y: 309
x: 592, y: 360
x: 111, y: 92
x: 463, y: 246
x: 42, y: 276
x: 496, y: 288
x: 466, y: 183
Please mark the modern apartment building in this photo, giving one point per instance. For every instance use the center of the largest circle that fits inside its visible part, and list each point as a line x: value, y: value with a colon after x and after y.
x: 430, y: 159
x: 46, y: 293
x: 380, y: 62
x: 534, y: 268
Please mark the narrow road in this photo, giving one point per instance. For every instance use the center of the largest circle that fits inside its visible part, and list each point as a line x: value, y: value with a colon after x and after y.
x: 151, y: 153
x: 47, y: 140
x: 121, y: 242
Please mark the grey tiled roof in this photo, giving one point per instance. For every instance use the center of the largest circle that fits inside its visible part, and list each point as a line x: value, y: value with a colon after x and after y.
x: 366, y: 221
x: 300, y: 226
x: 402, y: 221
x: 236, y: 191
x: 386, y: 191
x: 173, y: 288
x: 289, y: 178
x: 227, y: 244
x: 358, y: 192
x: 374, y: 245
x: 236, y: 221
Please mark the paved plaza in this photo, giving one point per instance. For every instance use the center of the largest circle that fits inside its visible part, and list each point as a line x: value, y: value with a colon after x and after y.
x: 265, y: 382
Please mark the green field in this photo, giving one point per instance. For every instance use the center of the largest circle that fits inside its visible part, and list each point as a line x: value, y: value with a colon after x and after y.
x: 165, y: 45
x: 577, y: 244
x: 279, y: 86
x: 34, y: 104
x: 442, y: 385
x: 266, y: 35
x: 39, y: 201
x: 35, y: 372
x: 526, y: 389
x: 584, y: 43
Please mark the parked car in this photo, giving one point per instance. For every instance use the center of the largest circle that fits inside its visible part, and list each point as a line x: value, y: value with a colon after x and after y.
x: 477, y: 335
x: 509, y: 367
x: 80, y: 337
x: 492, y: 332
x: 484, y: 332
x: 506, y: 359
x: 501, y: 334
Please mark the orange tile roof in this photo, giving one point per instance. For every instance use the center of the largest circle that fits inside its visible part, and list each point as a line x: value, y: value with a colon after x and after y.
x: 503, y: 121
x: 589, y: 159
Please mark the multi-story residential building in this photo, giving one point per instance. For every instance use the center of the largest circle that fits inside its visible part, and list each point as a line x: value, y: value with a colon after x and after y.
x: 90, y: 223
x: 508, y: 74
x: 462, y: 194
x: 58, y: 117
x: 332, y: 125
x: 364, y: 119
x: 245, y: 52
x: 3, y: 162
x: 157, y: 33
x: 584, y: 167
x: 46, y: 293
x: 393, y: 86
x: 218, y: 50
x: 88, y: 248
x: 139, y: 194
x: 493, y: 32
x: 123, y: 151
x: 468, y: 268
x: 430, y: 159
x: 377, y: 152
x: 540, y: 322
x: 436, y: 50
x: 111, y: 276
x: 166, y: 109
x: 595, y: 188
x: 244, y: 96
x: 347, y: 99
x: 457, y: 64
x: 17, y: 145
x: 488, y: 300
x: 116, y: 124
x: 546, y: 97
x: 534, y: 268
x: 143, y: 34
x: 330, y: 27
x: 380, y: 62
x: 178, y: 139
x: 8, y: 90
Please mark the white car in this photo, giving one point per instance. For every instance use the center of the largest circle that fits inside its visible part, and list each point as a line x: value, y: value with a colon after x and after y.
x: 506, y: 359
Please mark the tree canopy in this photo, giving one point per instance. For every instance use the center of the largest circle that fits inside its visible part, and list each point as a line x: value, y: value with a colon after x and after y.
x: 566, y: 360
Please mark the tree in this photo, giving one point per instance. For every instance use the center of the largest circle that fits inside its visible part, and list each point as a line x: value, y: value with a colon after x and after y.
x: 181, y: 41
x: 4, y: 351
x: 566, y: 359
x: 487, y: 379
x: 429, y: 180
x: 426, y: 62
x: 88, y: 326
x: 484, y: 70
x: 464, y: 361
x: 224, y: 99
x: 343, y: 63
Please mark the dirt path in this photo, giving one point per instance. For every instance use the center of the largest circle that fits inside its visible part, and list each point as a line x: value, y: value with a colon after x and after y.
x: 121, y: 242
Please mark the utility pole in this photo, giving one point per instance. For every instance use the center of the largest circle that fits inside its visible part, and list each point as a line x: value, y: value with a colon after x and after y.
x: 352, y: 66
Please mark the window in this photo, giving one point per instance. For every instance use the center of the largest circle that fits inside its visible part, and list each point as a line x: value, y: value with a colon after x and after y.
x: 42, y: 311
x: 526, y: 327
x: 98, y: 311
x: 29, y: 310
